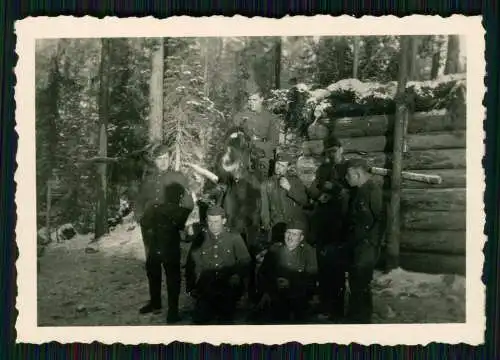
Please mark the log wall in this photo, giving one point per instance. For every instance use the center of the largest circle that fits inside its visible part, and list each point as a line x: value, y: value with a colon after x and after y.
x: 432, y: 216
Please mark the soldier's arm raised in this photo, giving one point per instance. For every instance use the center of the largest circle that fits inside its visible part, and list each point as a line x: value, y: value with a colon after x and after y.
x: 297, y: 191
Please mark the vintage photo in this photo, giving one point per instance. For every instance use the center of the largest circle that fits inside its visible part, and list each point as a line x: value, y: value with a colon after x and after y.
x: 187, y: 180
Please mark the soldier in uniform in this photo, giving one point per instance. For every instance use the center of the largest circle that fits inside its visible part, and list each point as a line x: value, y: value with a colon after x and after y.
x: 288, y: 275
x: 283, y: 199
x: 330, y: 193
x: 216, y: 269
x: 162, y: 208
x: 363, y: 238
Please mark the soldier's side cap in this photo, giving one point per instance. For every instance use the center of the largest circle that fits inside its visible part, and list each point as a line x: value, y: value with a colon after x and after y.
x: 331, y: 142
x: 357, y: 163
x: 284, y: 157
x: 158, y: 150
x: 296, y: 225
x: 216, y: 211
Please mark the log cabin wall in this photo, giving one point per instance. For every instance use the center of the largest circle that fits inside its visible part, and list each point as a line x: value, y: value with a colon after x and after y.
x: 432, y: 216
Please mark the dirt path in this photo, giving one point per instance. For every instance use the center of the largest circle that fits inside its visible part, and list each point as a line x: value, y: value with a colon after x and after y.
x: 108, y: 287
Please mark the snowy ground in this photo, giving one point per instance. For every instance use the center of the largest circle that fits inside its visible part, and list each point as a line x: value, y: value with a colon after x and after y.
x: 77, y: 288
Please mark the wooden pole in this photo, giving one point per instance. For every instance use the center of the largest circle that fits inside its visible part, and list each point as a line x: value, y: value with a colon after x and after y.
x: 392, y: 249
x: 47, y: 214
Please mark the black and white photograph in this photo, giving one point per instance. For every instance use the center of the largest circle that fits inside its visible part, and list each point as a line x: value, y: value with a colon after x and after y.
x: 175, y: 181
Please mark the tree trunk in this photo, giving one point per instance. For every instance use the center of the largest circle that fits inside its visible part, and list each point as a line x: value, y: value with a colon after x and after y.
x: 413, y: 59
x: 156, y: 95
x: 177, y: 163
x: 47, y: 213
x: 436, y: 57
x: 101, y: 222
x: 206, y: 85
x: 452, y: 57
x: 355, y: 62
x: 392, y: 250
x: 277, y: 63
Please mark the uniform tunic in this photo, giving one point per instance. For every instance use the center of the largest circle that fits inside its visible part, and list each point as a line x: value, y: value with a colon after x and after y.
x: 280, y: 205
x: 298, y: 266
x: 212, y: 265
x: 363, y: 237
x: 216, y: 259
x: 161, y: 216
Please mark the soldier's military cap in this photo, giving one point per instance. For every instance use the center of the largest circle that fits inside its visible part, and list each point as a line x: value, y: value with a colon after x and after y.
x: 158, y: 150
x: 331, y: 142
x: 357, y: 163
x: 216, y: 211
x: 296, y: 224
x: 284, y: 157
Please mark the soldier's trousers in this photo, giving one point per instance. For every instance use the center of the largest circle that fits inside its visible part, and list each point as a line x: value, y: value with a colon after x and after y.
x: 250, y: 236
x: 216, y: 300
x: 170, y: 260
x: 365, y: 258
x: 283, y: 306
x: 332, y: 266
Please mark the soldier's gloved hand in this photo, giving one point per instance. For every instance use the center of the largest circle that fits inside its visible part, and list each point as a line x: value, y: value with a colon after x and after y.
x: 283, y: 283
x: 234, y: 280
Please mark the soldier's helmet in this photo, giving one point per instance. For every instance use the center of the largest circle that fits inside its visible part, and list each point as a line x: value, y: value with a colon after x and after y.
x: 297, y: 224
x: 216, y: 210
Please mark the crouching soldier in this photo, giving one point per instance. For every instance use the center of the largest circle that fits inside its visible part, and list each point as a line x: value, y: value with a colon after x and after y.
x: 216, y: 270
x: 162, y: 208
x: 363, y: 238
x: 287, y: 276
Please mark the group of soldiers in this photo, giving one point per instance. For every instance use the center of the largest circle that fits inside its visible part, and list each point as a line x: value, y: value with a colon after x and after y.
x: 316, y: 240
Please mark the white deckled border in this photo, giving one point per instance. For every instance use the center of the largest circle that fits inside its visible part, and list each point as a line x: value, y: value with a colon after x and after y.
x: 30, y: 29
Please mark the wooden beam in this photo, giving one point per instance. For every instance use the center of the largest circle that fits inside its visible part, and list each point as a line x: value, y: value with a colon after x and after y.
x: 434, y: 220
x: 437, y: 241
x: 428, y: 141
x: 433, y: 263
x: 381, y: 125
x: 420, y: 159
x: 434, y: 199
x: 451, y: 178
x: 393, y: 226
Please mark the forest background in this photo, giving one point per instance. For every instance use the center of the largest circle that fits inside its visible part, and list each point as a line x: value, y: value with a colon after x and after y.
x: 109, y: 98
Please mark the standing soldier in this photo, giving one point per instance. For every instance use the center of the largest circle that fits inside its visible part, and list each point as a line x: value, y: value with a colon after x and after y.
x: 287, y: 276
x: 330, y: 192
x: 363, y: 237
x: 162, y: 208
x: 217, y: 266
x: 283, y: 199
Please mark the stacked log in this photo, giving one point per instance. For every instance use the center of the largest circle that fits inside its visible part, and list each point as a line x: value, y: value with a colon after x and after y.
x: 433, y: 215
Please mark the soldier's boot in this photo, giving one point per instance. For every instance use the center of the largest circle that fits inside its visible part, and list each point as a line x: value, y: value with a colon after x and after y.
x: 153, y: 270
x: 150, y: 308
x: 173, y: 315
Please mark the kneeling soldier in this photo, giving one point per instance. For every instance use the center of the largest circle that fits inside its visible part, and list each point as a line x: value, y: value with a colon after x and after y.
x: 216, y: 270
x: 363, y: 238
x: 287, y: 276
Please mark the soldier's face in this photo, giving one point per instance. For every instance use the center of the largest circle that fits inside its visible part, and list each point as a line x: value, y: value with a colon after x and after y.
x: 162, y: 162
x: 280, y: 168
x: 353, y: 177
x: 335, y: 155
x: 255, y: 103
x: 215, y: 224
x: 293, y: 238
